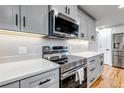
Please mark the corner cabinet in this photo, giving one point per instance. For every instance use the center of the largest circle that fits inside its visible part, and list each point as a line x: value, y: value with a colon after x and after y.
x: 87, y: 27
x: 68, y: 10
x: 9, y: 17
x: 25, y: 18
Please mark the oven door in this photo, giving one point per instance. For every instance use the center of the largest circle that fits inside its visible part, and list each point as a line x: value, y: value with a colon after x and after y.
x: 63, y: 26
x: 70, y: 81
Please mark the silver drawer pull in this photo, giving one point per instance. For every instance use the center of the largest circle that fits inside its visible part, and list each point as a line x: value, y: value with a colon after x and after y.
x: 92, y: 61
x: 92, y: 80
x: 44, y: 81
x: 92, y: 69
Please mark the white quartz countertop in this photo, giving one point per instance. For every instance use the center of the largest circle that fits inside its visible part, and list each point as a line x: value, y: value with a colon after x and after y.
x: 87, y: 54
x: 14, y: 71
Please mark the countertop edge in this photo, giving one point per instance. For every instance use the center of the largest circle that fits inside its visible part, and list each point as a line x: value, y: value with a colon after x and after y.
x: 27, y: 76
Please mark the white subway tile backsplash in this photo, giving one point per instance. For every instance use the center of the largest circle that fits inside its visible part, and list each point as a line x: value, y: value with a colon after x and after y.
x: 9, y: 46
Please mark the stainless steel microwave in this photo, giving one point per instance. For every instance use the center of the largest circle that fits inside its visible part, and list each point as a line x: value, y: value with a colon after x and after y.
x: 62, y: 26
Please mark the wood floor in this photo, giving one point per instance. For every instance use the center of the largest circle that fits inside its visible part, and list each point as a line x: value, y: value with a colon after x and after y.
x: 112, y: 77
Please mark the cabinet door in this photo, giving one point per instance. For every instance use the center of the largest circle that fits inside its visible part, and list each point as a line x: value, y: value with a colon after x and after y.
x: 83, y: 25
x: 34, y: 19
x: 9, y: 17
x: 91, y: 29
x: 72, y: 11
x: 60, y: 8
x: 68, y: 10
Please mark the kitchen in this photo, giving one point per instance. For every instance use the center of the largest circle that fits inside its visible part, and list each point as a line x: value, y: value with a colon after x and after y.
x: 57, y: 46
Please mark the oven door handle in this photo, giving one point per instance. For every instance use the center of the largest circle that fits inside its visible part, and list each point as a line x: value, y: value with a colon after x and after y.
x: 65, y: 75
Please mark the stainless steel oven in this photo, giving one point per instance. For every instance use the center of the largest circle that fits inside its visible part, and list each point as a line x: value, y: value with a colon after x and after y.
x: 69, y: 65
x: 68, y: 78
x: 62, y: 26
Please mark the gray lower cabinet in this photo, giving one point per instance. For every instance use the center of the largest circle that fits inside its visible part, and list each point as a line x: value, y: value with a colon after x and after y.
x: 95, y: 67
x: 48, y: 79
x: 34, y: 19
x: 11, y: 85
x: 45, y: 80
x: 9, y: 17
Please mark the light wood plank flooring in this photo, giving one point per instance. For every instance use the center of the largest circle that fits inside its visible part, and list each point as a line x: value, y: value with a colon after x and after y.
x: 112, y: 77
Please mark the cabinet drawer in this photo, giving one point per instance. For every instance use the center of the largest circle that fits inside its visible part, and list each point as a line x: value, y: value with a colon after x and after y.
x: 91, y: 81
x: 91, y: 70
x: 11, y: 85
x: 42, y: 80
x: 55, y: 85
x: 92, y: 60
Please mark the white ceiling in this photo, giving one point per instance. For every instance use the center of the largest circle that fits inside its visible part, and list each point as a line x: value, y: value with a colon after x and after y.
x: 106, y: 15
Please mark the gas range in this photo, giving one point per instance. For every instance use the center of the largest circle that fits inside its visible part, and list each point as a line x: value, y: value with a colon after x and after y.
x: 69, y: 64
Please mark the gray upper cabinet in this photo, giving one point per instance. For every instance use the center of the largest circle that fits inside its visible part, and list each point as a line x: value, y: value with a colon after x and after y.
x: 87, y: 26
x: 68, y: 10
x: 91, y: 29
x: 83, y: 25
x: 9, y: 17
x: 34, y: 19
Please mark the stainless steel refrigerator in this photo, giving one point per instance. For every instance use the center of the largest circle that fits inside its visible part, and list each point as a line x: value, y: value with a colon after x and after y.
x: 118, y: 50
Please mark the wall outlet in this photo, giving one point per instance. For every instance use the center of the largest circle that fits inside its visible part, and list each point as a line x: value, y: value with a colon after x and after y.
x: 22, y: 50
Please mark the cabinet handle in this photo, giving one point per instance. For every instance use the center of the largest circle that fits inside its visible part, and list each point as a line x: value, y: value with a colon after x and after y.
x: 16, y: 20
x: 69, y: 11
x: 101, y: 63
x: 92, y: 37
x: 92, y: 69
x: 44, y: 82
x: 92, y: 80
x: 23, y: 21
x: 66, y: 9
x: 82, y: 35
x: 92, y: 61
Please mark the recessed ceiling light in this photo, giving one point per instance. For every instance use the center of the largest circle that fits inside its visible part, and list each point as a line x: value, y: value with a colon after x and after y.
x: 121, y: 6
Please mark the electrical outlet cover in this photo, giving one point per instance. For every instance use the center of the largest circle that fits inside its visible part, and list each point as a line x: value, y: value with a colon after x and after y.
x: 22, y: 50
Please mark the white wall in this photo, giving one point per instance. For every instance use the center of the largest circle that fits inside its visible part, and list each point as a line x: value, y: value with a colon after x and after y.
x: 9, y: 46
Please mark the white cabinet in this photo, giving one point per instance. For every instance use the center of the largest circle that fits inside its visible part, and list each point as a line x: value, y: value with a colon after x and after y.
x: 25, y: 18
x: 11, y: 85
x: 68, y: 10
x: 83, y: 25
x: 91, y: 29
x: 87, y: 27
x: 45, y: 80
x: 9, y: 17
x: 34, y: 19
x: 95, y: 67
